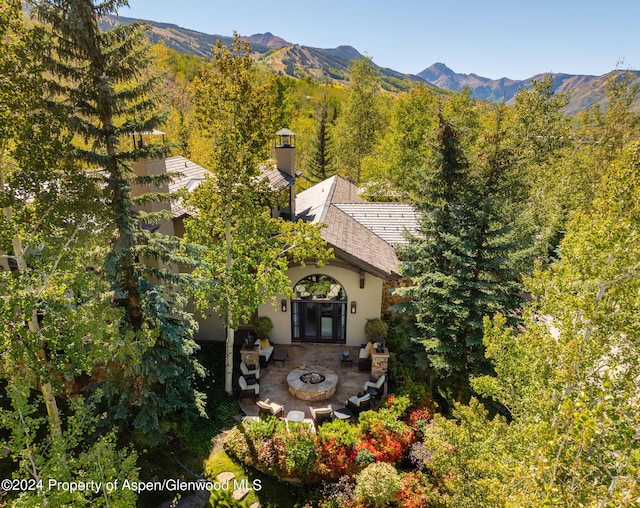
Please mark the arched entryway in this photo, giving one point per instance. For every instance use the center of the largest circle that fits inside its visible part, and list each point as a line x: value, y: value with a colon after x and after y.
x: 319, y: 310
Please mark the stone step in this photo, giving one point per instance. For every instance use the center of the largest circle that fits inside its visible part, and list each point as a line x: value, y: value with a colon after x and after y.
x: 240, y: 494
x: 225, y: 476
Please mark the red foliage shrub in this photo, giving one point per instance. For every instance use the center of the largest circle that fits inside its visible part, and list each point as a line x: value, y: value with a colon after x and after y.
x: 386, y: 446
x: 335, y: 460
x: 413, y: 492
x: 419, y: 414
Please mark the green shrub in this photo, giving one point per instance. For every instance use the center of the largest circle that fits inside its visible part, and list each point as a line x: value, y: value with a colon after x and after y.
x: 389, y: 417
x: 301, y: 453
x: 264, y: 428
x: 398, y: 406
x: 365, y: 456
x: 375, y: 329
x: 378, y: 484
x: 263, y: 326
x: 341, y: 432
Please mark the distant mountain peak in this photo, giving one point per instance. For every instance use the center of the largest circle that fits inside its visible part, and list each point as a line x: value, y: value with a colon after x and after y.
x: 440, y: 67
x: 281, y: 56
x: 268, y: 39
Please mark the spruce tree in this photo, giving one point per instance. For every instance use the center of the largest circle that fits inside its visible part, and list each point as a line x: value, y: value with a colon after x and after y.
x: 100, y: 79
x: 495, y: 243
x: 461, y: 263
x: 320, y: 167
x: 436, y: 261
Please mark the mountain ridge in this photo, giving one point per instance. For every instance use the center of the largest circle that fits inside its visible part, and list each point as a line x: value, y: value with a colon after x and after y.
x: 331, y: 65
x: 584, y: 89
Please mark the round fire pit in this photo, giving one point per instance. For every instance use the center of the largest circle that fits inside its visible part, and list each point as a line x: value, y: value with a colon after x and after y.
x: 312, y: 378
x: 312, y: 383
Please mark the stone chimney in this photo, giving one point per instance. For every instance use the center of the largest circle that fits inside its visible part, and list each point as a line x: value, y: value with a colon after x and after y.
x: 285, y: 162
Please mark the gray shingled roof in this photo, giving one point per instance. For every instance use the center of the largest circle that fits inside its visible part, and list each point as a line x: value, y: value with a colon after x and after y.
x: 361, y: 232
x: 277, y: 179
x: 390, y: 221
x: 190, y: 176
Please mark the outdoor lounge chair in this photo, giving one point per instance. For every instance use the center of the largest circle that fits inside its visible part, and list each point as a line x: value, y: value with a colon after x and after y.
x: 270, y: 408
x: 321, y: 415
x: 378, y: 384
x: 364, y: 360
x: 246, y: 371
x: 248, y: 390
x: 266, y: 351
x: 358, y: 404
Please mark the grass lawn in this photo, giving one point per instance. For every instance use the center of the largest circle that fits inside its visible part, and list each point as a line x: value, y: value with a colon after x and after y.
x: 271, y: 494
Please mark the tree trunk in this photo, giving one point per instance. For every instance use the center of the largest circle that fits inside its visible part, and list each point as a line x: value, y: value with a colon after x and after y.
x: 229, y: 322
x: 45, y: 387
x: 228, y: 362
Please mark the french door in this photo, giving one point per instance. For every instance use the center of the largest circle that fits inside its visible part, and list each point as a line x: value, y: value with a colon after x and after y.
x: 319, y: 321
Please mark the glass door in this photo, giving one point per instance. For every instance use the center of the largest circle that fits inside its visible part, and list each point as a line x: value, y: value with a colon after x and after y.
x: 319, y: 311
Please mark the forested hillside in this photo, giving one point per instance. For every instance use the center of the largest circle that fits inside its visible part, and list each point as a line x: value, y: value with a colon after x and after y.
x: 515, y: 339
x: 330, y: 66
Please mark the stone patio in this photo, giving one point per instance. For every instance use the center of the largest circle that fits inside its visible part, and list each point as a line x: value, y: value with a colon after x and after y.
x: 273, y: 379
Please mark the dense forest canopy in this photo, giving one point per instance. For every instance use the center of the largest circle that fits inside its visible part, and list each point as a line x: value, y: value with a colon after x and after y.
x: 520, y: 302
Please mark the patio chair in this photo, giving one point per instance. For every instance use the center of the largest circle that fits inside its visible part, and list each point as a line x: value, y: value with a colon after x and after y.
x: 378, y: 385
x: 321, y: 415
x: 248, y: 390
x: 364, y: 359
x: 246, y: 371
x: 357, y: 404
x: 266, y: 351
x: 270, y: 408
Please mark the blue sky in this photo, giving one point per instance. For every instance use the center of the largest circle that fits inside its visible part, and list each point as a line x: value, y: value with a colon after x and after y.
x: 492, y: 38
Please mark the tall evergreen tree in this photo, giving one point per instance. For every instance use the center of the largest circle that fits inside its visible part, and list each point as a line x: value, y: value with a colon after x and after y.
x: 320, y: 161
x: 493, y: 280
x: 436, y: 261
x: 98, y: 79
x: 461, y: 264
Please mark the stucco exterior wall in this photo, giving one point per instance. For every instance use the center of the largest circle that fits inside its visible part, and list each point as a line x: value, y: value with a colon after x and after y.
x: 153, y: 167
x: 367, y: 302
x: 210, y: 327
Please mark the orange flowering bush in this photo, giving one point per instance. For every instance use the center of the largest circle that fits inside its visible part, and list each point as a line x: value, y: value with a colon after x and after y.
x: 335, y: 460
x: 414, y: 492
x: 386, y: 445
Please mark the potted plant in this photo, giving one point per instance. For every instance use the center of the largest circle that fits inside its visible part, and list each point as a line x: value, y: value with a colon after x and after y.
x: 375, y: 330
x: 262, y: 326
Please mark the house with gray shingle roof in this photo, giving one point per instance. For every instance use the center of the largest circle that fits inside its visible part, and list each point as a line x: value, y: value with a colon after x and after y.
x: 331, y: 303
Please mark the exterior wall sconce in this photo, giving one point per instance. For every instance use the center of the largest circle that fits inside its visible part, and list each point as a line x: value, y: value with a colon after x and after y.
x: 283, y: 305
x: 353, y: 307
